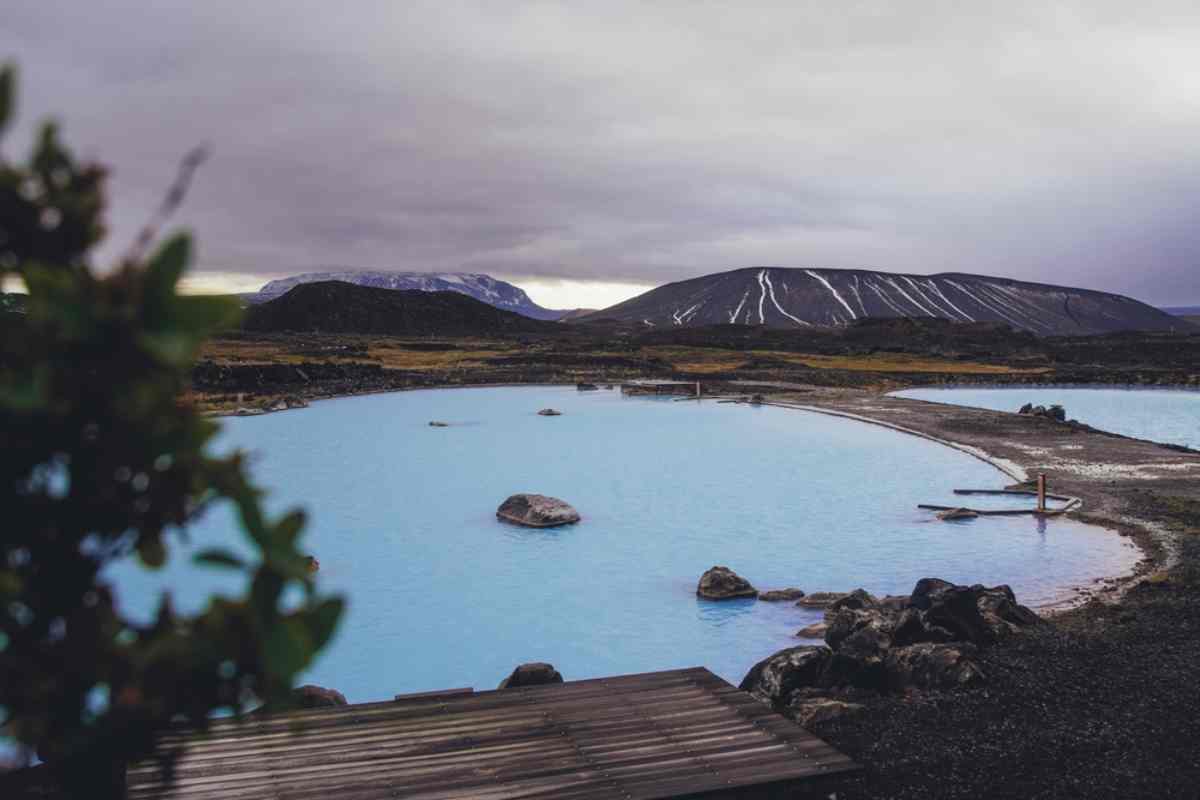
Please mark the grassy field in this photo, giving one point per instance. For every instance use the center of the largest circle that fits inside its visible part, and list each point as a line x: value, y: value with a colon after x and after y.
x: 400, y: 354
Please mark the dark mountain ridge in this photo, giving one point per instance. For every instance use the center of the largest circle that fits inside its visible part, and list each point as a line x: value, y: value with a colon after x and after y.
x: 340, y: 307
x: 485, y: 288
x: 803, y: 298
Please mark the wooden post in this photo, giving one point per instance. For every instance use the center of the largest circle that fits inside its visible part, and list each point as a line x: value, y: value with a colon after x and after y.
x: 1041, y: 491
x: 697, y: 389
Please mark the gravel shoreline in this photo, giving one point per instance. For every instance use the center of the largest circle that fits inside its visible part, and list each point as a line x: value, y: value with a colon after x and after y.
x: 1103, y: 702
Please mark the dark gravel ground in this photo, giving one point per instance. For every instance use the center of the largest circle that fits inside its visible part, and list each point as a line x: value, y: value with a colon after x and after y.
x: 1104, y: 702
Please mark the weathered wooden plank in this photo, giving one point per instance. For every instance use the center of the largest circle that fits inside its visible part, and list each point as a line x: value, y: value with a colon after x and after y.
x: 358, y: 714
x: 655, y: 735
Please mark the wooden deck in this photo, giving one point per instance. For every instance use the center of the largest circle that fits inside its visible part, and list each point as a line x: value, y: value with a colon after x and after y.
x: 677, y: 734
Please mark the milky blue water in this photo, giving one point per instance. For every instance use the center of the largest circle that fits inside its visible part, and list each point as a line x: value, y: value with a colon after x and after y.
x: 1160, y: 415
x: 442, y: 594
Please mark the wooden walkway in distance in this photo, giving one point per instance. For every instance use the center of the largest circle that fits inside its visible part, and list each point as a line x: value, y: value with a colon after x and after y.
x: 676, y: 734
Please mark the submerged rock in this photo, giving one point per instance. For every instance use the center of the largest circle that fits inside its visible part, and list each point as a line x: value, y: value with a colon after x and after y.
x: 820, y: 599
x: 722, y: 583
x: 437, y: 424
x: 536, y: 673
x: 549, y: 412
x: 537, y: 511
x: 586, y: 387
x: 777, y: 595
x: 954, y: 514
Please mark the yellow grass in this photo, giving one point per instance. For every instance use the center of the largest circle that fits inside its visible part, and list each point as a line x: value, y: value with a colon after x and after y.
x: 702, y: 360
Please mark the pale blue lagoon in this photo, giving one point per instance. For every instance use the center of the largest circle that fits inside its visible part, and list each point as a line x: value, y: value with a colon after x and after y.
x: 442, y: 594
x: 1160, y: 415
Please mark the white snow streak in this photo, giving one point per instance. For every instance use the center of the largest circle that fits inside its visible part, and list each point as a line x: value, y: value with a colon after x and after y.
x: 988, y: 305
x: 763, y: 288
x: 738, y: 310
x: 1018, y: 300
x: 836, y: 296
x: 997, y: 293
x: 858, y: 296
x: 933, y: 286
x: 941, y: 310
x: 764, y: 276
x: 682, y: 318
x: 896, y: 286
x: 886, y: 300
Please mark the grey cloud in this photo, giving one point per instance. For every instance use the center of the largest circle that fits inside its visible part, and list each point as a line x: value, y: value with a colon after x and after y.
x: 645, y: 142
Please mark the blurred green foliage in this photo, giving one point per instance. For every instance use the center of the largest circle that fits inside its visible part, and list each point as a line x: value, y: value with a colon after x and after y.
x: 100, y: 459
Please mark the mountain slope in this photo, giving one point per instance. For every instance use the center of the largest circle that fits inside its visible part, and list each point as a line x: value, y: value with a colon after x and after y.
x: 339, y: 307
x: 800, y: 298
x: 484, y: 288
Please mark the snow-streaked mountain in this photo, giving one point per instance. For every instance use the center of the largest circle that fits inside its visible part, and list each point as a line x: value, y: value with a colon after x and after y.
x: 482, y: 287
x: 801, y: 298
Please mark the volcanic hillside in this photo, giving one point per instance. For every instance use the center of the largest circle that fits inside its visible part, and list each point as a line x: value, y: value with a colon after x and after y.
x: 802, y: 298
x: 337, y: 307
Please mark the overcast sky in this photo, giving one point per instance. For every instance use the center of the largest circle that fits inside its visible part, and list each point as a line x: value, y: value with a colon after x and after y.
x: 619, y: 145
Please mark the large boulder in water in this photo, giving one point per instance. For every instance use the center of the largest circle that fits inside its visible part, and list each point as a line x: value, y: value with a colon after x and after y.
x: 537, y: 511
x: 536, y: 673
x: 722, y: 583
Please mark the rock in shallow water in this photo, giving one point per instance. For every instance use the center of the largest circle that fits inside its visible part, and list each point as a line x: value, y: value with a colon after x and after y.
x: 722, y: 583
x: 549, y: 412
x: 820, y: 599
x: 537, y: 673
x: 537, y: 511
x: 777, y: 595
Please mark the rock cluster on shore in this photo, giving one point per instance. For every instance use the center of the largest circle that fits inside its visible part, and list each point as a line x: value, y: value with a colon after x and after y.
x: 1054, y: 412
x: 927, y: 640
x: 537, y: 511
x: 535, y: 673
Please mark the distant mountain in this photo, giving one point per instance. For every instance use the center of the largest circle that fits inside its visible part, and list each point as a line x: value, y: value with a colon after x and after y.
x: 801, y: 298
x: 340, y: 307
x: 1183, y: 311
x: 484, y: 288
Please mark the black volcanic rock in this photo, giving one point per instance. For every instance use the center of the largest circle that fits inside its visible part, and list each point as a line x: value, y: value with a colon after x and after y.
x: 337, y: 307
x: 536, y: 673
x: 722, y: 583
x: 815, y: 298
